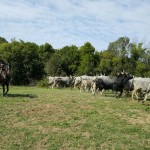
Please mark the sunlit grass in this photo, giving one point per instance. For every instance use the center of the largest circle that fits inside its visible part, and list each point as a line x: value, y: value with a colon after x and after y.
x: 42, y: 118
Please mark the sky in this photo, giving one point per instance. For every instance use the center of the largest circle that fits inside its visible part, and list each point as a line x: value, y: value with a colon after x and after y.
x: 75, y: 22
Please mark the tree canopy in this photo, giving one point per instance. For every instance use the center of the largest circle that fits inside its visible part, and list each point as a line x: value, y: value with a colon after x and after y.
x: 31, y: 62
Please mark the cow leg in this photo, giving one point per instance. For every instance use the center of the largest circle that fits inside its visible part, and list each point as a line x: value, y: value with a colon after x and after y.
x: 120, y: 94
x: 77, y: 85
x: 133, y: 93
x: 86, y: 88
x: 147, y: 92
x: 136, y: 95
x: 53, y: 85
x: 145, y: 98
x: 116, y: 95
x: 89, y: 89
x: 125, y: 93
x: 93, y: 89
x: 102, y: 92
x: 93, y: 92
x: 80, y: 88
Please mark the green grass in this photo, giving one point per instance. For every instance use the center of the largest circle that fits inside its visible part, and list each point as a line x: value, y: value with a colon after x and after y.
x: 34, y: 118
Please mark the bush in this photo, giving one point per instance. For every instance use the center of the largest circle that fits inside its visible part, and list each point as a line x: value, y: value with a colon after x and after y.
x: 43, y: 83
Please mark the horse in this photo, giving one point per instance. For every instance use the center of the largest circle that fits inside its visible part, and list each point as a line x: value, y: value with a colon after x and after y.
x: 5, y: 77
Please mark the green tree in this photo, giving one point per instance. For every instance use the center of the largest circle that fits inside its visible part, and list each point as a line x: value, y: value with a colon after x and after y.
x: 105, y: 64
x: 3, y: 40
x: 119, y: 48
x: 45, y: 51
x: 146, y: 61
x: 137, y: 51
x: 26, y: 65
x: 119, y: 51
x: 64, y: 62
x: 88, y: 62
x: 141, y: 56
x: 5, y: 52
x: 54, y: 65
x: 33, y: 64
x: 70, y: 58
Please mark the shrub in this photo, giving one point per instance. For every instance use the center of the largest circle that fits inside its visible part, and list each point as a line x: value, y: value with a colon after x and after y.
x: 43, y: 83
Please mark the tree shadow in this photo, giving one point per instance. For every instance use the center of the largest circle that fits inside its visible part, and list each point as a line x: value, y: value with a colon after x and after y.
x: 22, y: 95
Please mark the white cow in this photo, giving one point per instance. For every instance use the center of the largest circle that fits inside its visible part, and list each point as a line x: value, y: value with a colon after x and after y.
x: 141, y: 87
x: 52, y: 81
x: 78, y: 80
x: 87, y: 84
x: 64, y: 81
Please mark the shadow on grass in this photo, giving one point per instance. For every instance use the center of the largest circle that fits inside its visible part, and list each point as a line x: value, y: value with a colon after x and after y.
x: 22, y: 95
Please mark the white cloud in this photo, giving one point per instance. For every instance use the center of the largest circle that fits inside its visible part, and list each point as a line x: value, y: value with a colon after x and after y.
x: 67, y: 22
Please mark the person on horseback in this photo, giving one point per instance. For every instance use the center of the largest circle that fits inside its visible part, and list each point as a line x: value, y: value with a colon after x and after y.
x: 5, y: 76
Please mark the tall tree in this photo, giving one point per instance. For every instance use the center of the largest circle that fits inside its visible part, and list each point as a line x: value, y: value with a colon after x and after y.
x: 119, y: 48
x: 45, y: 51
x: 87, y: 64
x: 120, y: 54
x: 54, y: 65
x: 68, y: 59
x: 105, y: 65
x: 140, y: 58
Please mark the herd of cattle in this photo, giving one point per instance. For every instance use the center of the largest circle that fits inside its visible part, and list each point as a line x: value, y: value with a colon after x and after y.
x: 124, y: 83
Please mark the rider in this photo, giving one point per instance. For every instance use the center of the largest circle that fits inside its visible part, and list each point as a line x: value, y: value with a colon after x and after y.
x: 2, y: 68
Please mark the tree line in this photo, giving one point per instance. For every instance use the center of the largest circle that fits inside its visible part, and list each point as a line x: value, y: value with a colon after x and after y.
x: 31, y: 63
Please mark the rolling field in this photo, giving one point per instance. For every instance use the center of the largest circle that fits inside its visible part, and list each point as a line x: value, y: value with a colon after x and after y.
x: 34, y: 118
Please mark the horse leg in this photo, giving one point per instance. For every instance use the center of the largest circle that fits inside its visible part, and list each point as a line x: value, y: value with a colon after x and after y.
x: 7, y: 86
x: 3, y: 85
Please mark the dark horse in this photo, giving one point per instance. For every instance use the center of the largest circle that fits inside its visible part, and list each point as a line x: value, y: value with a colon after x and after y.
x: 5, y: 77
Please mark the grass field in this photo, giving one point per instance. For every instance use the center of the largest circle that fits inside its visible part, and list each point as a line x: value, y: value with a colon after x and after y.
x: 34, y: 118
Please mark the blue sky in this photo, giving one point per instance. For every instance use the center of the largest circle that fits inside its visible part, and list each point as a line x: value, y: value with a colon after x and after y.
x: 74, y: 22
